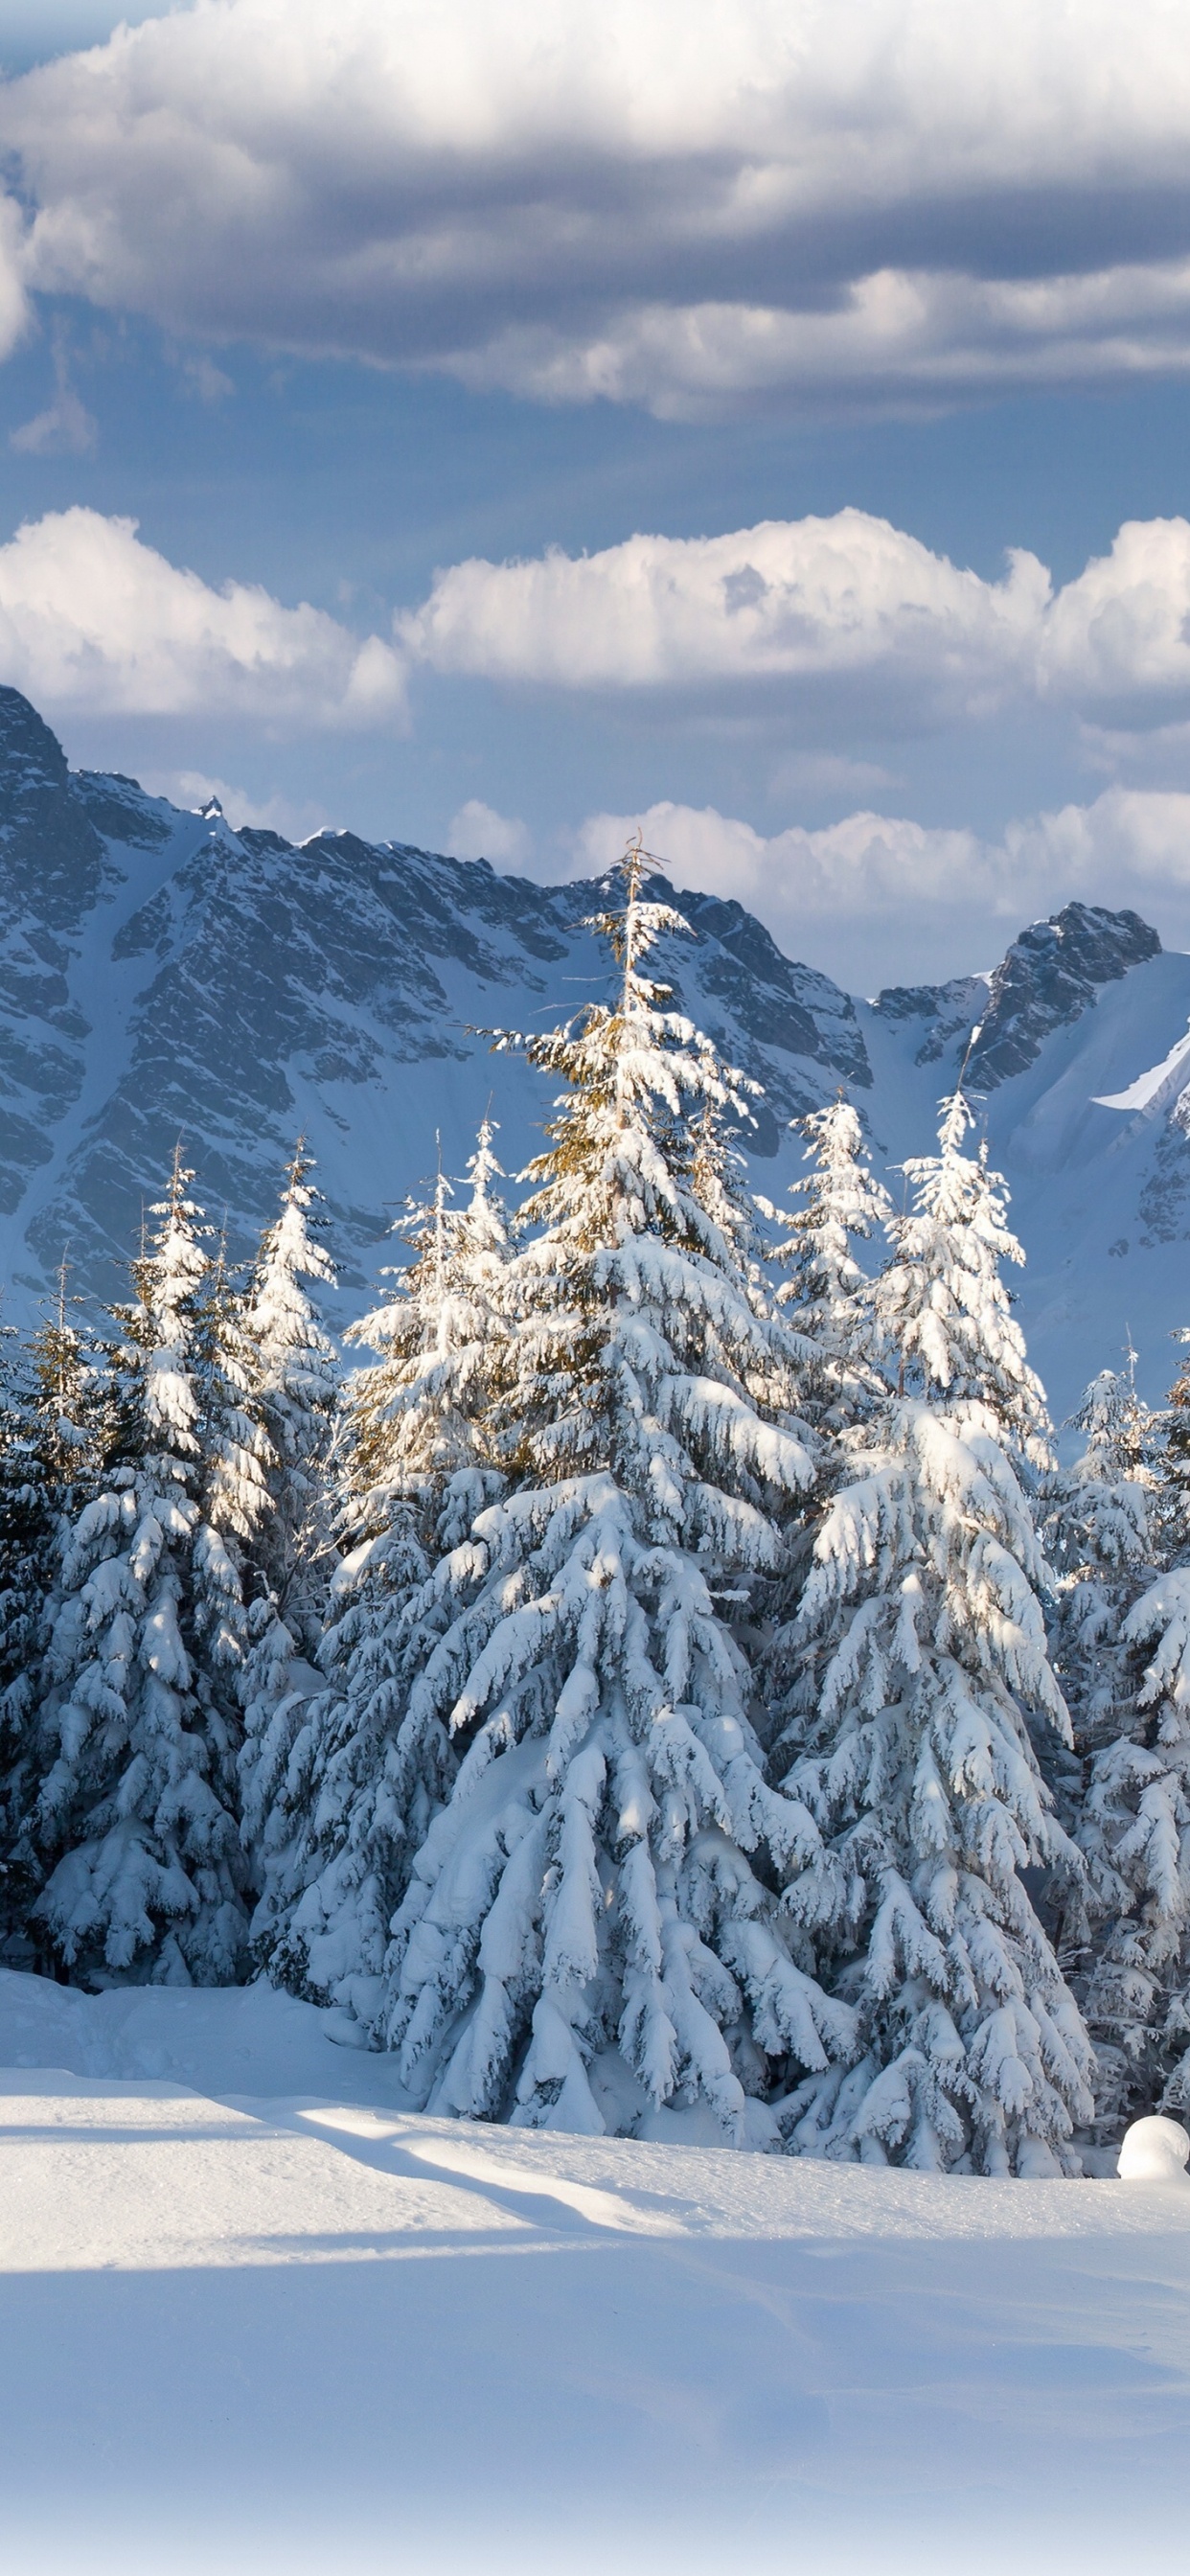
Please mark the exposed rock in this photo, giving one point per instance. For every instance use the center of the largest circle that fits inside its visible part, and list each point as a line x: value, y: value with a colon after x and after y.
x: 1049, y: 977
x: 945, y: 1009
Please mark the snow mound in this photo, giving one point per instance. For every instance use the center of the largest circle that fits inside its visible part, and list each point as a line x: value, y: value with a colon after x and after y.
x: 1155, y: 2151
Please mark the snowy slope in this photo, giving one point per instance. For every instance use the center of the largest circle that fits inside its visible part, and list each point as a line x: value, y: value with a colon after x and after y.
x: 267, y: 2324
x: 161, y: 974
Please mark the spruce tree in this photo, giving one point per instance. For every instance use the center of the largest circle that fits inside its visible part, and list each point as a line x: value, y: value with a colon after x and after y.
x: 593, y: 1928
x: 138, y: 1724
x: 1098, y: 1529
x: 1137, y: 1831
x: 922, y: 1663
x: 296, y: 1376
x: 1135, y: 1687
x: 828, y: 1305
x: 361, y: 1783
x: 826, y: 1297
x: 52, y: 1437
x: 293, y: 1374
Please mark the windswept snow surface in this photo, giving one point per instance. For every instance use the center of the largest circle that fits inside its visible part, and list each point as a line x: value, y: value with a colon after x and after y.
x: 255, y: 2317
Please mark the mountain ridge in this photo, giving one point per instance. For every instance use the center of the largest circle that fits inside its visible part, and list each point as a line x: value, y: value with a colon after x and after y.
x: 164, y: 975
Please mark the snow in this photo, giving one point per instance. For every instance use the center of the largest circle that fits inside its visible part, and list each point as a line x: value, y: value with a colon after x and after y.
x: 257, y: 2317
x: 1156, y: 1088
x: 1155, y: 2151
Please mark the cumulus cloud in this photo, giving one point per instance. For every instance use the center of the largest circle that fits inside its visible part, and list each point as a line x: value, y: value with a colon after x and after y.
x: 877, y: 887
x: 660, y: 201
x: 849, y: 599
x: 784, y: 600
x: 92, y: 619
x: 1121, y: 629
x: 479, y: 832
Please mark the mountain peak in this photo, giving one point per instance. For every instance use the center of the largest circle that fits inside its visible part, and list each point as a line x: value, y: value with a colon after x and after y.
x: 31, y: 757
x: 1049, y: 977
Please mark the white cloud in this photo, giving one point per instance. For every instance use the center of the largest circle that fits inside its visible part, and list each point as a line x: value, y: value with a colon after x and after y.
x: 870, y: 863
x: 894, y: 335
x: 479, y: 832
x: 93, y: 620
x: 788, y: 600
x: 845, y: 600
x: 878, y: 888
x: 1121, y: 629
x: 661, y: 201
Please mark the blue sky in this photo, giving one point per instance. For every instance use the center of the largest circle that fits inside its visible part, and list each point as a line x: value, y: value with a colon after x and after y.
x: 401, y: 315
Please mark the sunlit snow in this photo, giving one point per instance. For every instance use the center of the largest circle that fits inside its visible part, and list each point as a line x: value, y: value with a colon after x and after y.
x: 258, y: 2318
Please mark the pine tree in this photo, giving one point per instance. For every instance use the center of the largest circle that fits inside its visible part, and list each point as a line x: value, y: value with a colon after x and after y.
x: 297, y: 1383
x: 1137, y: 1828
x: 1133, y: 1677
x: 594, y: 1925
x: 138, y: 1724
x: 1100, y: 1544
x: 923, y: 1659
x: 826, y: 1296
x: 362, y: 1783
x: 293, y: 1375
x: 828, y: 1305
x: 52, y: 1436
x: 236, y: 1473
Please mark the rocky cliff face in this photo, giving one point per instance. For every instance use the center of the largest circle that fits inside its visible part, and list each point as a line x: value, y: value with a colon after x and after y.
x: 1049, y: 977
x: 1052, y: 974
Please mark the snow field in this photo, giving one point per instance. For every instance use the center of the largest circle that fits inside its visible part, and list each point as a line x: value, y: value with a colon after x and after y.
x: 269, y: 2321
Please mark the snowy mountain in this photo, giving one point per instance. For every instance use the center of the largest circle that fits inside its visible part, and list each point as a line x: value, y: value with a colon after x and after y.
x: 165, y: 975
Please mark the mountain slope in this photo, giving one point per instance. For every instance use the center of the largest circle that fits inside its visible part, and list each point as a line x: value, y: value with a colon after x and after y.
x: 163, y: 975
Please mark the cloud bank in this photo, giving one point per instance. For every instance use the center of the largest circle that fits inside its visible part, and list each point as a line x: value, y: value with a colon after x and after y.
x: 850, y: 601
x: 92, y: 620
x: 664, y: 201
x: 877, y: 897
x: 849, y: 608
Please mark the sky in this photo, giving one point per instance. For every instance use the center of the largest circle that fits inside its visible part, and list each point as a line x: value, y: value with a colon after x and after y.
x: 496, y: 429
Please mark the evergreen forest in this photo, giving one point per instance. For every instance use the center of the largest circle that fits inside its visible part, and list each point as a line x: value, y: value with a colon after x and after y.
x: 661, y: 1661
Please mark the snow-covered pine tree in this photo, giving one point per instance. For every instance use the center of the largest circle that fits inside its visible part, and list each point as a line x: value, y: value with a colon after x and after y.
x: 923, y: 1662
x: 296, y: 1370
x: 593, y: 1927
x: 828, y: 1304
x: 294, y: 1374
x: 236, y: 1466
x: 1099, y: 1543
x: 1135, y: 1826
x: 138, y: 1724
x: 826, y: 1296
x: 362, y: 1781
x: 1137, y: 1830
x: 52, y: 1437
